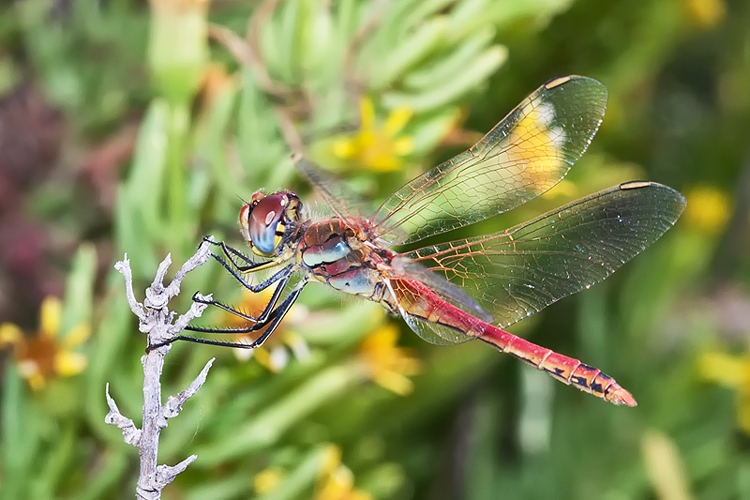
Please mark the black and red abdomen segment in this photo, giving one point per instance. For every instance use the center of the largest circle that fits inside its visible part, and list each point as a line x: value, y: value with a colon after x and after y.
x: 325, y: 250
x: 564, y: 368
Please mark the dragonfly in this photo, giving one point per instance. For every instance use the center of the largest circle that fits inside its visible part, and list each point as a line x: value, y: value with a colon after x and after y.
x: 469, y: 288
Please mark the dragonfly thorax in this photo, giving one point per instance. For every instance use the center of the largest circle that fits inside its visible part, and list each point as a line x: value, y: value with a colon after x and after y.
x: 268, y: 220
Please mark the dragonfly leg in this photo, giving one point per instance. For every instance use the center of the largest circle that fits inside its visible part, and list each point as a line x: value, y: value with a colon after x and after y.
x: 282, y: 283
x: 280, y: 275
x: 231, y: 251
x: 271, y: 323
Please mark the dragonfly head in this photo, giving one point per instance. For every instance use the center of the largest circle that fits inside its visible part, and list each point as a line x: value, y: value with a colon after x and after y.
x: 267, y: 219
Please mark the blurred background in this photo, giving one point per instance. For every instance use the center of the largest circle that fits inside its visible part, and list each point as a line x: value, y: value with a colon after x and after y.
x: 135, y: 127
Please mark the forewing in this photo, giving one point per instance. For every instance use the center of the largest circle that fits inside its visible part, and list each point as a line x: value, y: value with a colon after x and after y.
x: 526, y: 154
x: 331, y: 189
x: 518, y: 272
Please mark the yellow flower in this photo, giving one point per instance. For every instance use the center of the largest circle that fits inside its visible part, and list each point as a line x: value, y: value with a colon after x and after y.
x: 374, y: 147
x: 46, y: 353
x: 707, y: 209
x: 336, y: 481
x: 705, y: 13
x: 267, y: 480
x: 388, y: 365
x: 274, y: 353
x: 733, y: 372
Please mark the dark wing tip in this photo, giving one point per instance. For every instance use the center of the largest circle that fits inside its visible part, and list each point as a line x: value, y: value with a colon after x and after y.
x: 561, y: 81
x: 672, y: 201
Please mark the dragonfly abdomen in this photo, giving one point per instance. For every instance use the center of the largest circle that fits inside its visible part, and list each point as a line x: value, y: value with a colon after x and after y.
x: 417, y: 300
x: 568, y: 370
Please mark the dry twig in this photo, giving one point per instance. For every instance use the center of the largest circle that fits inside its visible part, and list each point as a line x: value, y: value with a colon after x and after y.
x: 158, y: 323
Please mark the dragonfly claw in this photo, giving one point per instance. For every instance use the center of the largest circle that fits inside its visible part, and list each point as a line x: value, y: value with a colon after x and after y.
x: 210, y: 239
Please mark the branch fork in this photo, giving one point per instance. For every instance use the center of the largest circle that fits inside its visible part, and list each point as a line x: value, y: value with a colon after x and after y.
x: 160, y: 325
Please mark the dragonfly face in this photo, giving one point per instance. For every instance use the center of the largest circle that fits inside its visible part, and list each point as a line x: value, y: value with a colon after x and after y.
x: 267, y: 221
x: 472, y: 287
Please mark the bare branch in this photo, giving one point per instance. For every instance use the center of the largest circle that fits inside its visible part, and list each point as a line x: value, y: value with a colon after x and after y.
x: 235, y: 44
x: 195, y: 311
x: 159, y: 323
x: 200, y: 258
x: 174, y: 403
x: 165, y: 474
x: 130, y: 432
x: 123, y: 267
x: 161, y: 272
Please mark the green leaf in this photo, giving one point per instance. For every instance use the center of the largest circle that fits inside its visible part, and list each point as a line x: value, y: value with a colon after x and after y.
x: 229, y: 487
x: 138, y: 210
x: 385, y: 481
x: 258, y: 141
x: 413, y: 49
x: 20, y: 439
x: 425, y: 9
x: 471, y: 78
x: 347, y: 20
x: 107, y: 352
x: 79, y: 290
x: 542, y: 10
x: 446, y: 67
x: 58, y: 461
x: 432, y: 129
x: 289, y: 40
x: 211, y: 157
x: 300, y: 481
x: 318, y: 50
x: 178, y: 50
x: 471, y: 15
x: 347, y: 325
x: 269, y: 426
x: 112, y: 466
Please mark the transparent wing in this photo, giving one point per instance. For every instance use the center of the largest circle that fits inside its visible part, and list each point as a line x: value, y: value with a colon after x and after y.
x: 416, y: 301
x: 433, y: 332
x: 331, y: 189
x: 518, y: 272
x: 526, y: 154
x: 413, y: 285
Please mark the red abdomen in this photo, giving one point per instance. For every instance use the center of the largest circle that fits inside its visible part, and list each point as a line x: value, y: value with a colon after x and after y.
x: 420, y: 301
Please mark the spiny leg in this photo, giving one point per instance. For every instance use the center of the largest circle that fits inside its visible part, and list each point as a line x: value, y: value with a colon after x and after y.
x: 283, y: 282
x: 272, y: 322
x: 231, y: 253
x: 279, y: 275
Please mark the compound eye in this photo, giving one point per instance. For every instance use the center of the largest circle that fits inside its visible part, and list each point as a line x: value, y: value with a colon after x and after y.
x: 265, y: 226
